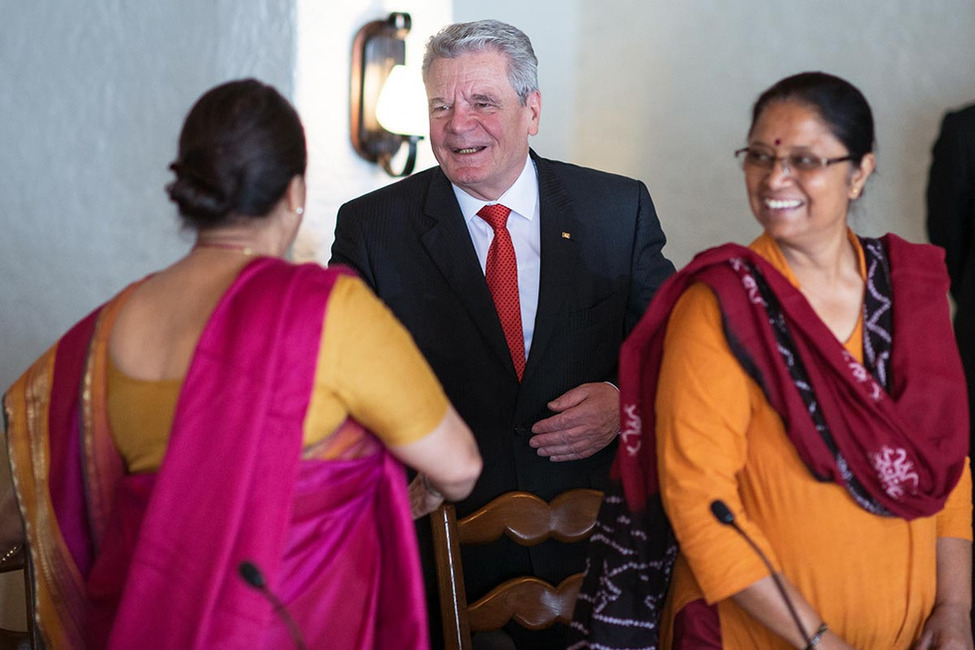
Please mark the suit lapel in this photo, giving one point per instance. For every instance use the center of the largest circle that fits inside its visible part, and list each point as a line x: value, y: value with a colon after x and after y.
x: 561, y: 234
x: 449, y: 245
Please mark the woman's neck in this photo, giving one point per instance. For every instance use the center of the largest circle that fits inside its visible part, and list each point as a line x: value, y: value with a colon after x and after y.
x: 822, y: 261
x: 246, y: 239
x: 830, y: 279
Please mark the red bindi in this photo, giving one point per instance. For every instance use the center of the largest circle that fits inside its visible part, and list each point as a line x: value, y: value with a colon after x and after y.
x: 778, y: 141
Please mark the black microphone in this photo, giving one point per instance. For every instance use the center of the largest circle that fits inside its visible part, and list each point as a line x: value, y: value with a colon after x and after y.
x: 723, y: 514
x: 253, y: 577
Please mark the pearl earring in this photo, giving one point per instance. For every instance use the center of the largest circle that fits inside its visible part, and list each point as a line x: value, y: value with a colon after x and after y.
x: 300, y: 211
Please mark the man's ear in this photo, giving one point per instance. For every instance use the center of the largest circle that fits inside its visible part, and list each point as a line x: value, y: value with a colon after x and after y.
x: 534, y: 104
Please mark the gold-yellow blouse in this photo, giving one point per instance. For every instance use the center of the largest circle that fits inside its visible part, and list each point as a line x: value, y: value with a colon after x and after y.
x: 368, y: 367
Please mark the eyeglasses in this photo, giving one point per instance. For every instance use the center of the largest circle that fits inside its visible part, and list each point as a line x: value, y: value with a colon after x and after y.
x: 801, y: 163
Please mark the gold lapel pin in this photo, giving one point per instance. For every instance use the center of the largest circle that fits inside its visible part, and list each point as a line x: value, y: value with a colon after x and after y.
x: 566, y: 235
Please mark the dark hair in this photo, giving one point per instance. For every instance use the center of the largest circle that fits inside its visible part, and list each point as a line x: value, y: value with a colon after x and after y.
x: 839, y: 104
x: 240, y: 146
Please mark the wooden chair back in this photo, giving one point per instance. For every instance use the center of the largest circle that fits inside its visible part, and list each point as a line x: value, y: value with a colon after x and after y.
x: 528, y: 520
x: 17, y: 639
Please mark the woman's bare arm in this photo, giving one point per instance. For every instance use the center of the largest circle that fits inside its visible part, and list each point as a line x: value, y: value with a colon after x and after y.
x: 448, y: 462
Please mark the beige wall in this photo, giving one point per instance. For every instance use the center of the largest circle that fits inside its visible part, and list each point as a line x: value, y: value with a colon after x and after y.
x: 93, y: 96
x: 335, y: 173
x: 662, y: 91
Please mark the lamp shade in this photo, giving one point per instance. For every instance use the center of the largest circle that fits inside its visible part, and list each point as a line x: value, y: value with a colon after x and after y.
x: 402, y: 105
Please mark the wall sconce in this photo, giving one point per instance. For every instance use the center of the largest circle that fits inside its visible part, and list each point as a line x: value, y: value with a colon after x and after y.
x: 383, y: 114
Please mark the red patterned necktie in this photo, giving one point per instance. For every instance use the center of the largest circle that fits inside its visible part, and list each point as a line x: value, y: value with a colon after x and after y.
x: 501, y: 273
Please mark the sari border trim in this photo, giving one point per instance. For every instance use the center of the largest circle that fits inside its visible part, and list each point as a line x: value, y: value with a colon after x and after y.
x: 57, y: 582
x: 101, y: 465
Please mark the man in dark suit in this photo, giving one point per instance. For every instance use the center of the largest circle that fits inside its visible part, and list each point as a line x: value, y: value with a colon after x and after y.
x: 525, y: 341
x: 951, y: 222
x: 951, y: 225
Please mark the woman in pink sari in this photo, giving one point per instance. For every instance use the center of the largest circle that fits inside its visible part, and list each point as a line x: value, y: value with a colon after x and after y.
x: 233, y: 410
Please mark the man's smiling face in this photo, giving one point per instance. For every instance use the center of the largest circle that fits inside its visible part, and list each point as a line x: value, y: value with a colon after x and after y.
x: 478, y: 126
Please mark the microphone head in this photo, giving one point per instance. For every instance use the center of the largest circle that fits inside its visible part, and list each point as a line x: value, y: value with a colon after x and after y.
x: 251, y: 574
x: 721, y: 512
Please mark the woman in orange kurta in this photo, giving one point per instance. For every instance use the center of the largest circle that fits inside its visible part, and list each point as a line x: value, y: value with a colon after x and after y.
x: 871, y: 578
x: 856, y: 578
x: 806, y: 392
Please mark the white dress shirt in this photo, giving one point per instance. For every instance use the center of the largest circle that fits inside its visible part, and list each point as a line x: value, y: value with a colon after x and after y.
x: 523, y: 225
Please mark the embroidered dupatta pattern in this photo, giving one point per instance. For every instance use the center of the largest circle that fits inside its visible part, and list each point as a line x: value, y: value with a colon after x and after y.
x: 887, y: 467
x: 876, y: 343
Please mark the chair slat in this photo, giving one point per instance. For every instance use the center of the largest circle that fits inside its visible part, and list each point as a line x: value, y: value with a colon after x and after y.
x: 528, y: 520
x: 533, y: 603
x: 17, y: 639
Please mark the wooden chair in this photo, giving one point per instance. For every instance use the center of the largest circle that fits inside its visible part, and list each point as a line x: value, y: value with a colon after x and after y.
x: 528, y: 520
x: 16, y: 639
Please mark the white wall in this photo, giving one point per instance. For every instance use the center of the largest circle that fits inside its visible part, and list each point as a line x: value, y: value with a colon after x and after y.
x: 662, y: 91
x: 335, y: 173
x: 669, y: 89
x: 93, y: 95
x: 93, y: 99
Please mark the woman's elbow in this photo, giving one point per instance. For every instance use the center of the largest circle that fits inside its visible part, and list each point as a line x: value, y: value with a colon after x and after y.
x: 466, y: 472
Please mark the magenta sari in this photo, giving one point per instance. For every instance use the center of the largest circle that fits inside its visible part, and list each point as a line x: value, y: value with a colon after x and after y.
x: 151, y: 560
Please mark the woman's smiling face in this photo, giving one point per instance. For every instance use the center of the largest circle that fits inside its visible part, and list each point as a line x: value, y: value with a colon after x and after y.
x: 801, y: 206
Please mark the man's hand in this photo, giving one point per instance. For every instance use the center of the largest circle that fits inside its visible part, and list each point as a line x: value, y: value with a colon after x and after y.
x: 422, y: 500
x: 587, y: 419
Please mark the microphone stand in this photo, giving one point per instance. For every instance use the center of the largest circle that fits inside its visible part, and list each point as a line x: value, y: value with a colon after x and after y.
x: 253, y: 577
x: 724, y: 515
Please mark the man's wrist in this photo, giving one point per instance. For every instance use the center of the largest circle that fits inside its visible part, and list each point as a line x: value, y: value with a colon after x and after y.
x: 606, y: 381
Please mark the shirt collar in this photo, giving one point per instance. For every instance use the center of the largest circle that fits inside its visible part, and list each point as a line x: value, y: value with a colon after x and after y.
x: 521, y: 197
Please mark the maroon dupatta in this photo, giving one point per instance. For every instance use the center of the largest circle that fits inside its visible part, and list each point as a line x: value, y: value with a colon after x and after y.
x: 894, y: 433
x: 904, y: 445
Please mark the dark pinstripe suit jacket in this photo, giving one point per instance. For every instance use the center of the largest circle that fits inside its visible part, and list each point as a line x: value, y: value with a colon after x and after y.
x: 951, y: 225
x: 601, y: 262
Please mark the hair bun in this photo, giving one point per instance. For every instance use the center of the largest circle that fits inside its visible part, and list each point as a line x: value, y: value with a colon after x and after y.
x: 197, y: 199
x: 240, y: 146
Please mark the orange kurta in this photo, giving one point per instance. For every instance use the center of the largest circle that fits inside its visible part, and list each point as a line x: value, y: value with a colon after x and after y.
x: 871, y: 578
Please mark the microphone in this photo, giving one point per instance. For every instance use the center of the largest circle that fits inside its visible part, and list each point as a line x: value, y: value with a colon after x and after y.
x: 724, y: 515
x: 253, y: 577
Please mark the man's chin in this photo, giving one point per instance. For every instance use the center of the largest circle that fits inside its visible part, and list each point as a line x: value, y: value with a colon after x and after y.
x: 464, y: 175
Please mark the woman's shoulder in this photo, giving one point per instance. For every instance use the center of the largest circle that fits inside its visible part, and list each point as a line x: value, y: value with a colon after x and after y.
x: 696, y: 311
x: 307, y: 276
x: 904, y: 255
